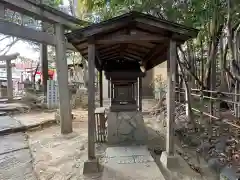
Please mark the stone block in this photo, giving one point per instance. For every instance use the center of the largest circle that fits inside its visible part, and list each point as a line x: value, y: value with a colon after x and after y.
x: 91, y: 166
x: 229, y: 173
x: 126, y: 128
x: 8, y: 122
x: 215, y: 164
x: 169, y: 162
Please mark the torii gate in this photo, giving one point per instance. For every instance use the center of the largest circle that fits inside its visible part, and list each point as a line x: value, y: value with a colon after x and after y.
x: 62, y: 23
x: 8, y: 59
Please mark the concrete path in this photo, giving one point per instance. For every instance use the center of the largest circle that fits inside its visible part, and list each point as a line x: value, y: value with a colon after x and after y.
x: 15, y: 158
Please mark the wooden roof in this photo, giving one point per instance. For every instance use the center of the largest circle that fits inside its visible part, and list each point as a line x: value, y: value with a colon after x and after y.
x: 133, y: 36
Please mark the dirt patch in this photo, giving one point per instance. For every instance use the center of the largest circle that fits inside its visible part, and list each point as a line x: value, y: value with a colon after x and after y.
x: 60, y: 157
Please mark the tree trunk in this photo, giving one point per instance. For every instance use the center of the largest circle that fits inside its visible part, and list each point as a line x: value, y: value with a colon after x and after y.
x: 212, y: 55
x: 188, y: 94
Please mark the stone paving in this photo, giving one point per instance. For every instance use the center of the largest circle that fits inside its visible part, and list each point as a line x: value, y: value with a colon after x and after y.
x: 130, y: 163
x: 15, y: 158
x: 31, y: 119
x: 22, y: 122
x: 7, y: 122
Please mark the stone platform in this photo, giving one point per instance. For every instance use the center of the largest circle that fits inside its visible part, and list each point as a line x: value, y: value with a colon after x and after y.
x: 126, y: 128
x: 23, y: 122
x: 130, y: 163
x: 15, y: 158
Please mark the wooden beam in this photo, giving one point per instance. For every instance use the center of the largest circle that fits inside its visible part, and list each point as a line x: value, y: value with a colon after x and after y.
x: 171, y: 70
x: 16, y: 30
x: 85, y: 32
x: 91, y: 101
x: 62, y: 77
x: 139, y: 47
x: 109, y: 56
x: 117, y: 57
x: 80, y: 45
x: 41, y: 12
x: 9, y: 57
x: 140, y: 93
x: 129, y: 58
x: 160, y: 60
x: 5, y: 66
x: 152, y: 54
x: 134, y: 52
x: 111, y: 48
x: 129, y: 39
x: 169, y: 26
x: 132, y: 56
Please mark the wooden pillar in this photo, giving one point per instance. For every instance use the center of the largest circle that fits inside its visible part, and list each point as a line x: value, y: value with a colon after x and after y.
x: 91, y: 101
x: 171, y: 70
x: 44, y: 62
x: 111, y: 91
x: 62, y: 77
x: 101, y: 88
x: 178, y: 89
x: 140, y: 94
x: 109, y: 88
x: 9, y: 80
x: 137, y: 95
x: 2, y: 11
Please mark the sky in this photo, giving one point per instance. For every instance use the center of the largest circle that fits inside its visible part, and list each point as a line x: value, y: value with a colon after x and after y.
x: 23, y: 48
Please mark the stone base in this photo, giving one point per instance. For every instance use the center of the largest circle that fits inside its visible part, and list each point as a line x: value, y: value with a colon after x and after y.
x: 126, y: 128
x: 169, y: 162
x: 91, y: 166
x: 125, y: 108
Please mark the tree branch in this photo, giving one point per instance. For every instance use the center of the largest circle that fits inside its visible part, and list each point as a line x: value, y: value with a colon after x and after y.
x: 9, y: 46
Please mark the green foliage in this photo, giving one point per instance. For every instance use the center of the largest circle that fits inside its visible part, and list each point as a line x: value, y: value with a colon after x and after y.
x: 52, y: 3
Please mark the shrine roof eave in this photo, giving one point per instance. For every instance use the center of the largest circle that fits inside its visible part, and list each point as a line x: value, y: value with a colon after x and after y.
x: 159, y: 30
x: 117, y: 22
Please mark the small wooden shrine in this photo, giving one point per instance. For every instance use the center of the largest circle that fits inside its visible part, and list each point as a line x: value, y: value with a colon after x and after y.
x: 125, y: 48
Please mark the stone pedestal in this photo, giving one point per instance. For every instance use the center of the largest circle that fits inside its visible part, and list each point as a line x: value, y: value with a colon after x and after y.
x: 169, y: 162
x: 91, y: 166
x: 126, y: 128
